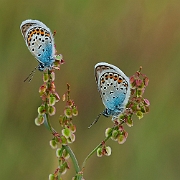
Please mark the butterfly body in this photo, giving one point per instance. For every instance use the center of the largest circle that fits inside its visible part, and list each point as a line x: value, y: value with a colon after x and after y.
x: 114, y: 88
x: 40, y: 42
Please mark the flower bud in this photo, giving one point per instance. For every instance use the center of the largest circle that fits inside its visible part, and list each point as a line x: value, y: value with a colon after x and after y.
x: 129, y: 121
x: 51, y: 110
x: 39, y: 120
x: 56, y: 95
x: 68, y: 112
x: 52, y: 75
x: 64, y: 97
x: 63, y: 140
x: 53, y: 144
x: 65, y: 154
x: 146, y: 81
x: 108, y: 151
x: 74, y: 111
x: 52, y: 100
x: 58, y: 57
x: 71, y: 139
x: 42, y: 89
x: 139, y: 114
x: 45, y: 77
x: 146, y: 102
x: 52, y: 177
x: 121, y: 139
x: 108, y: 132
x: 99, y: 152
x: 66, y: 132
x: 115, y: 134
x: 41, y: 110
x: 59, y: 152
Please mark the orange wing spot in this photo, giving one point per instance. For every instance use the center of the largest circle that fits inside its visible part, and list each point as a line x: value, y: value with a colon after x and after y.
x: 42, y: 32
x: 119, y: 81
x: 47, y: 34
x: 111, y: 76
x: 102, y: 81
x: 115, y: 78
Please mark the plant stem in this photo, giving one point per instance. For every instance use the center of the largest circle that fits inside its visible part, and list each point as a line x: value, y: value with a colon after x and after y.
x: 74, y: 160
x: 94, y: 150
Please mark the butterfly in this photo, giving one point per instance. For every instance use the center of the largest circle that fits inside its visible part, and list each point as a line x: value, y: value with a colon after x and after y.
x: 114, y: 88
x: 40, y: 43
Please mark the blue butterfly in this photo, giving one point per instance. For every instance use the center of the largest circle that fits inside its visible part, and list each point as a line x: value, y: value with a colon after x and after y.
x: 114, y: 88
x: 40, y: 43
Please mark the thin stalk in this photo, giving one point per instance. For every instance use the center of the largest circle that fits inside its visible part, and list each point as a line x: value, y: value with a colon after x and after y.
x: 73, y: 157
x: 79, y: 174
x: 95, y: 149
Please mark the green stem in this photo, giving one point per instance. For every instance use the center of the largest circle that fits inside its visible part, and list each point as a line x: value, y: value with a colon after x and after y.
x: 95, y: 149
x: 47, y: 123
x: 79, y: 175
x: 74, y: 160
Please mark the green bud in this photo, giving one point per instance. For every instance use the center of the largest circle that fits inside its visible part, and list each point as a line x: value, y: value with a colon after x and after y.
x: 121, y: 139
x: 71, y: 139
x: 108, y: 132
x: 59, y: 152
x: 52, y: 100
x: 52, y: 177
x: 108, y: 150
x: 51, y: 110
x: 39, y: 120
x: 129, y: 121
x: 115, y: 134
x: 41, y: 110
x: 45, y: 77
x: 53, y: 144
x: 59, y: 57
x: 66, y: 132
x: 63, y: 140
x: 99, y: 152
x: 139, y: 92
x: 74, y: 111
x: 139, y: 114
x: 68, y: 112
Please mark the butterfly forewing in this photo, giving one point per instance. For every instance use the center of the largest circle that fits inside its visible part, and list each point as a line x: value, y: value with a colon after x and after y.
x: 113, y: 86
x: 39, y: 41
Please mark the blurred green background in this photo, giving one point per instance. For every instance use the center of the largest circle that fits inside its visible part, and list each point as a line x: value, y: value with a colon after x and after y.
x: 125, y: 33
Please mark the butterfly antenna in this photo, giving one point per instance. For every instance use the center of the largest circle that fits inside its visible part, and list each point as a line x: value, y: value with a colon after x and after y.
x: 95, y: 121
x: 29, y: 78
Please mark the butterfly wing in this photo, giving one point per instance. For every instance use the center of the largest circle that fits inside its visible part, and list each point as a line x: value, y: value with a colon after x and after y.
x: 114, y: 87
x: 39, y: 41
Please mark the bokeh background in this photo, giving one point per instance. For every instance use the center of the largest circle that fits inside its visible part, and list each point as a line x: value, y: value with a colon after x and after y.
x: 126, y: 33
